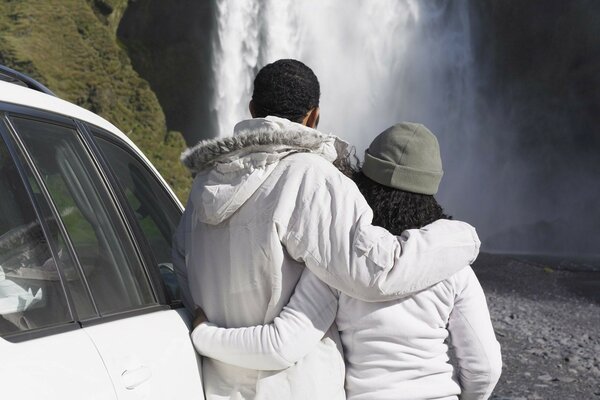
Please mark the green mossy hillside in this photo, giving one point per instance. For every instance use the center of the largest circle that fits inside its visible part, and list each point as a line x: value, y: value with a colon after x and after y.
x: 71, y: 47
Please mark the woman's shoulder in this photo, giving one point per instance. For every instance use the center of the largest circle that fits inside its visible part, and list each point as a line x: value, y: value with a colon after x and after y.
x: 453, y: 285
x: 462, y: 279
x: 464, y: 274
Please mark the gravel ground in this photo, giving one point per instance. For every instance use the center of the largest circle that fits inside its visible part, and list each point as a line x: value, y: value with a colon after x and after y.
x: 547, y: 319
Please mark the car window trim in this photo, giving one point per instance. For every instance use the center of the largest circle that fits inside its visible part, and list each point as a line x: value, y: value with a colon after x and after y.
x: 119, y: 142
x: 95, y: 132
x: 23, y: 336
x: 64, y: 122
x: 135, y: 231
x: 46, y: 116
x: 13, y: 136
x: 106, y: 135
x: 117, y: 198
x: 99, y: 134
x: 133, y: 312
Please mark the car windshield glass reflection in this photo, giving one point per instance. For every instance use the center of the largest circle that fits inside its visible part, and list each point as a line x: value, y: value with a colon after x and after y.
x: 104, y: 249
x: 31, y: 294
x: 157, y: 214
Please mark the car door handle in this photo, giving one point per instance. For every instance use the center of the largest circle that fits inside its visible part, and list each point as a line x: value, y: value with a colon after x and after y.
x: 133, y: 378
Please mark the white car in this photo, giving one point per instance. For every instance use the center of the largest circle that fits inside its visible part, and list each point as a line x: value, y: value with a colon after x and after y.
x: 88, y: 298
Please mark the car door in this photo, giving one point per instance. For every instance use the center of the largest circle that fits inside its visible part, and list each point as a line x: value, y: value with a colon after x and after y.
x: 44, y: 353
x: 144, y: 344
x: 154, y: 214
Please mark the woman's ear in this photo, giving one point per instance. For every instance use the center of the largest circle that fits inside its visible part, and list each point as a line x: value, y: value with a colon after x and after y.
x: 312, y: 118
x: 251, y: 108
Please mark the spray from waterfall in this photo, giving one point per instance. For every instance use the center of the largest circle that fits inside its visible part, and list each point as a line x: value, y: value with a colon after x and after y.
x: 250, y: 34
x: 384, y: 61
x: 379, y: 62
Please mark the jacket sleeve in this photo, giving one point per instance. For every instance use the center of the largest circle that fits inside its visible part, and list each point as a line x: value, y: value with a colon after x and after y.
x: 330, y: 230
x: 280, y: 344
x: 472, y: 336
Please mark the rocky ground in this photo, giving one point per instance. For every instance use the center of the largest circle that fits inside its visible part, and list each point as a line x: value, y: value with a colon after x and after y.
x: 547, y: 319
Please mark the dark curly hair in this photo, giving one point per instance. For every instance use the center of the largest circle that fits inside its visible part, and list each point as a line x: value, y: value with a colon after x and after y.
x: 398, y: 210
x: 287, y: 89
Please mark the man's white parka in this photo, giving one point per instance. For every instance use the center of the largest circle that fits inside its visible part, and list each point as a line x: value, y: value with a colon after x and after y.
x: 265, y: 204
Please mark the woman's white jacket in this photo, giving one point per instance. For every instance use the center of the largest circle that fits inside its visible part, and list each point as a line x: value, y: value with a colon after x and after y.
x: 265, y: 204
x: 394, y: 350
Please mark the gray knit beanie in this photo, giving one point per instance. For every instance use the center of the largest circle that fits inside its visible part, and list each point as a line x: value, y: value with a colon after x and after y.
x: 405, y: 156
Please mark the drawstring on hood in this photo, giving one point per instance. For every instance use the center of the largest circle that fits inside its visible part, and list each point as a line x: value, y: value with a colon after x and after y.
x: 229, y: 170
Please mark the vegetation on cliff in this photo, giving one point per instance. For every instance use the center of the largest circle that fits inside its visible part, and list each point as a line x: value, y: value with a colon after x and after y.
x: 71, y: 46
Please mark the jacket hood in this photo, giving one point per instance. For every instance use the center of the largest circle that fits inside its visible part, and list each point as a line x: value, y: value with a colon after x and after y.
x: 229, y: 170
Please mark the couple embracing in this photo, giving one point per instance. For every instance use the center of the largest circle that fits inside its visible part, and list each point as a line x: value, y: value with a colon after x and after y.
x: 314, y: 279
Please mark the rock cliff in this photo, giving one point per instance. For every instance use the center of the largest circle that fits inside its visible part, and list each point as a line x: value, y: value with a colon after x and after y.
x: 71, y: 46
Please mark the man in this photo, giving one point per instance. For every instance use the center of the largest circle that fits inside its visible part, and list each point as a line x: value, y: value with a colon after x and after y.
x: 268, y: 202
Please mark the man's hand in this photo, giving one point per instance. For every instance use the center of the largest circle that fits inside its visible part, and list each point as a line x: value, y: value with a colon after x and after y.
x: 199, y: 317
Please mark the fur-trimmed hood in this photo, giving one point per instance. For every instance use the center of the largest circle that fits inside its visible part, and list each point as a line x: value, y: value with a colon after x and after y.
x: 229, y: 170
x: 260, y: 135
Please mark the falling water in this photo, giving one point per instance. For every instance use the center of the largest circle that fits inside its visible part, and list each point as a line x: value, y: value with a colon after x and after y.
x: 384, y: 61
x: 250, y: 34
x: 379, y: 62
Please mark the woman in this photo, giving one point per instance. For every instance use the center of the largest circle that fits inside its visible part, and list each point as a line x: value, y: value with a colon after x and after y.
x: 396, y: 349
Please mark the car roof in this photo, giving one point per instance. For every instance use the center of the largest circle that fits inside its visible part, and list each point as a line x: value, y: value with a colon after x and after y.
x: 20, y: 95
x: 23, y: 96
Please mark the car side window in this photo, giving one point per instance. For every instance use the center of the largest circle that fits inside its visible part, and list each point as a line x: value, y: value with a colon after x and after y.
x: 155, y: 210
x: 96, y: 229
x: 31, y: 294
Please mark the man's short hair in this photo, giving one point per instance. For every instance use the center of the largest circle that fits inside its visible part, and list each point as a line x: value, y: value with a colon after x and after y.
x: 287, y: 89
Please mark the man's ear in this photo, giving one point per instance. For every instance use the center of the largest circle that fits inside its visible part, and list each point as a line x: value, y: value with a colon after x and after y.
x: 251, y: 108
x: 312, y: 118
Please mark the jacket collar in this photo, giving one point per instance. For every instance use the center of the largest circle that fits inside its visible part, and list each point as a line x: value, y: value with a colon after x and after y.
x: 261, y: 135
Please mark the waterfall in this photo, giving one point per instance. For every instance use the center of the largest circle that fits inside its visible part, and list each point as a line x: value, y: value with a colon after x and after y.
x: 250, y: 34
x: 379, y: 62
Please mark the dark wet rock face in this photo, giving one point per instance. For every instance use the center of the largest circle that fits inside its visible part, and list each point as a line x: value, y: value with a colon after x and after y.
x: 548, y: 323
x: 72, y: 48
x: 170, y: 45
x: 538, y: 64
